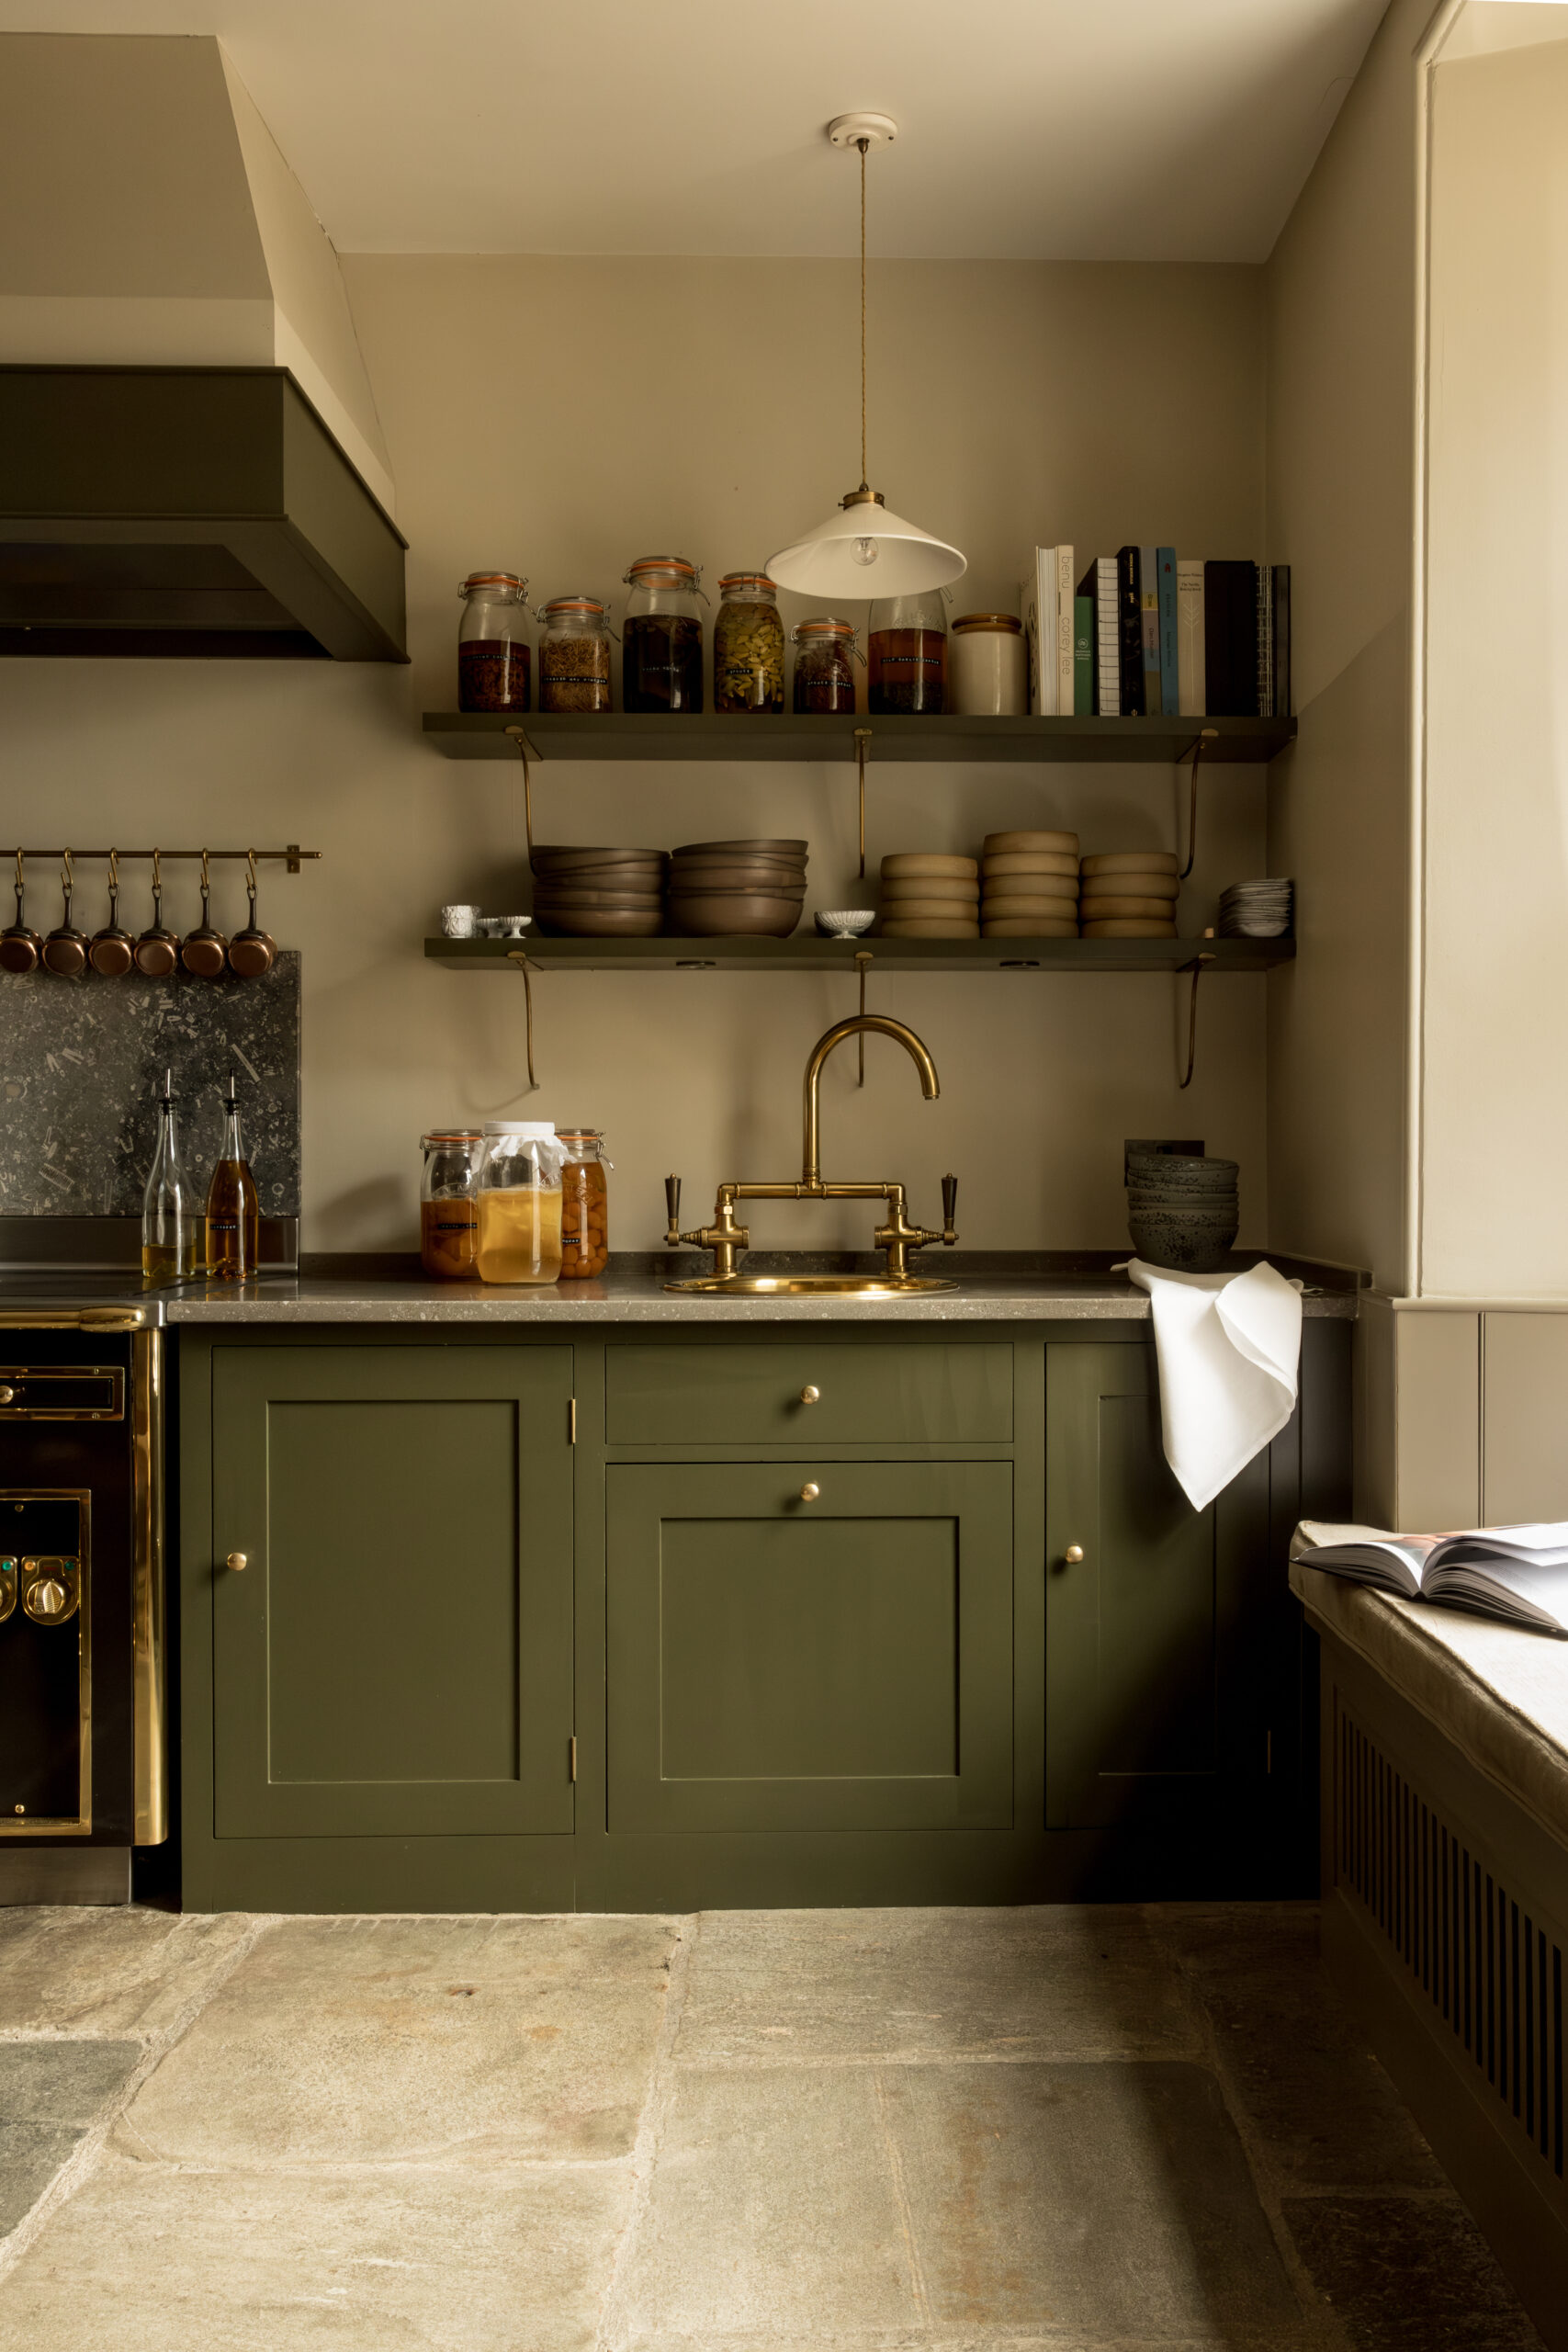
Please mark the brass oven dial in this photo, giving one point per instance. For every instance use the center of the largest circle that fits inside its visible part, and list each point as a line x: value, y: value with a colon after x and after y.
x: 52, y: 1590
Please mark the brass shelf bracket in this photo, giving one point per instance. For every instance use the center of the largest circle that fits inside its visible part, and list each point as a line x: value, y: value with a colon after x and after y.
x: 1195, y: 752
x: 527, y: 752
x: 864, y: 962
x: 862, y: 745
x: 1196, y: 968
x: 519, y: 955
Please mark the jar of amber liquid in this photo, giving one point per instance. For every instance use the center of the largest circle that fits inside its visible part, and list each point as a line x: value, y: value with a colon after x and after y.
x: 584, y: 1214
x: 448, y: 1207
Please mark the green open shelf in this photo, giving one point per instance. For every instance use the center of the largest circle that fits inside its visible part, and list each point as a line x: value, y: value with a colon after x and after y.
x: 618, y: 735
x: 806, y: 953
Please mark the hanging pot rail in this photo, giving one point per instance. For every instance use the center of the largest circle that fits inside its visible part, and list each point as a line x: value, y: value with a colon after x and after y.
x: 292, y: 857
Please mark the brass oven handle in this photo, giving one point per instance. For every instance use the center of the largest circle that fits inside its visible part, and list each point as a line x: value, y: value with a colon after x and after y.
x: 1073, y: 1555
x: 809, y: 1396
x: 810, y: 1492
x: 235, y: 1560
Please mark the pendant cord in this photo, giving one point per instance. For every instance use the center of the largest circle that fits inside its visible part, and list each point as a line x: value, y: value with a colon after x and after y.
x: 863, y: 144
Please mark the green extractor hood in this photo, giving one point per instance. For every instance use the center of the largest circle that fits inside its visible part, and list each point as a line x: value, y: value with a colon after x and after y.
x: 188, y: 511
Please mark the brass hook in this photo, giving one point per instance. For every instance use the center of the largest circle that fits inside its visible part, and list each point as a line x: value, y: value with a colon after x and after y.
x: 519, y: 955
x: 1196, y: 968
x: 524, y: 748
x: 862, y: 744
x: 251, y: 873
x: 1204, y: 735
x: 864, y: 961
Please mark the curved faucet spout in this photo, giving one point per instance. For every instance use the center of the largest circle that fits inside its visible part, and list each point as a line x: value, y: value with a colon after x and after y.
x: 857, y: 1024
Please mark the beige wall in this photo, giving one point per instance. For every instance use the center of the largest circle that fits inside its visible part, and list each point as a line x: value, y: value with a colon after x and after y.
x: 561, y: 417
x: 1341, y: 344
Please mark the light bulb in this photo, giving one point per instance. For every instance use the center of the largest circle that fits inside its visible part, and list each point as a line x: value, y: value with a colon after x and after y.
x: 864, y: 550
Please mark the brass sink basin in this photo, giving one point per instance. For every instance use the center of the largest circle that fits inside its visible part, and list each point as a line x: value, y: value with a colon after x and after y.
x: 811, y: 1285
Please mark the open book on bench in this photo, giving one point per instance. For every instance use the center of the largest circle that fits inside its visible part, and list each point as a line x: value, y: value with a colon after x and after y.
x: 1519, y: 1574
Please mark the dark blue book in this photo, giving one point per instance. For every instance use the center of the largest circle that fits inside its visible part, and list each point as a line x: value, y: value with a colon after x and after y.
x: 1169, y: 641
x: 1148, y: 599
x: 1130, y: 632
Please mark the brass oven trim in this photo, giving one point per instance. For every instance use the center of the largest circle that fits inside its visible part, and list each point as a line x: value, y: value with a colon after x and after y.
x: 56, y: 1825
x: 148, y: 1651
x: 74, y: 1318
x: 13, y: 1374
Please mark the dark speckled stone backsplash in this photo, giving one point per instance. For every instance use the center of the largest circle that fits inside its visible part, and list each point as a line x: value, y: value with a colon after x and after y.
x: 82, y: 1064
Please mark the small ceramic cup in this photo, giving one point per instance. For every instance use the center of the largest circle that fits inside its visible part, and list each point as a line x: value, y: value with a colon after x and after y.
x: 458, y: 922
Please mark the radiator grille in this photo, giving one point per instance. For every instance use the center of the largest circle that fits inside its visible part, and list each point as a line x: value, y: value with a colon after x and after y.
x: 1492, y: 1973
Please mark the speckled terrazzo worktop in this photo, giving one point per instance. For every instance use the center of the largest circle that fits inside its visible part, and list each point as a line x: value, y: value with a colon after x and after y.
x: 642, y: 1299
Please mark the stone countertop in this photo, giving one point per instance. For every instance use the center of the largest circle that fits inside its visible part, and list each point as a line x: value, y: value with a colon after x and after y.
x: 642, y: 1299
x: 1498, y: 1693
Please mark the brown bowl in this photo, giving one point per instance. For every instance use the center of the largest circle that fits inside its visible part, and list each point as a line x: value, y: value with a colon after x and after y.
x: 554, y: 853
x: 741, y: 877
x: 734, y: 914
x: 603, y: 922
x: 761, y: 848
x: 573, y: 895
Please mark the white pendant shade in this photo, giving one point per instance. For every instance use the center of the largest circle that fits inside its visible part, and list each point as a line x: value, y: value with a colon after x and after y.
x: 862, y: 551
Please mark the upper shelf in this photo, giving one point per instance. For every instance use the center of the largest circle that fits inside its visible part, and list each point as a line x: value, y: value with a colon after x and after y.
x: 618, y: 735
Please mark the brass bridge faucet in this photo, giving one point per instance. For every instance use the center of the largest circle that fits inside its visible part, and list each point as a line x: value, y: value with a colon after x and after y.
x: 724, y: 1238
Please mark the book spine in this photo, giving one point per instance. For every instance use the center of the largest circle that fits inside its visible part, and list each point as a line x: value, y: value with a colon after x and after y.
x: 1130, y: 632
x: 1107, y: 638
x: 1083, y: 656
x: 1191, y: 682
x: 1050, y: 622
x: 1148, y: 599
x: 1283, y: 707
x: 1262, y: 630
x: 1065, y: 631
x: 1029, y: 612
x: 1230, y: 633
x: 1170, y: 678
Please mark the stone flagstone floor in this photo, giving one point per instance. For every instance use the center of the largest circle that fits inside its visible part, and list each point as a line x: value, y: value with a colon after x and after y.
x: 761, y: 2131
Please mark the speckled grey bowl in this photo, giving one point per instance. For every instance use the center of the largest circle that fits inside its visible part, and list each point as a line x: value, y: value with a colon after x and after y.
x: 1186, y: 1243
x: 1175, y: 1172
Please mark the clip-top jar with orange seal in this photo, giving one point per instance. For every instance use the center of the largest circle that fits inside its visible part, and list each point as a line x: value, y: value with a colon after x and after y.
x: 448, y: 1210
x: 748, y: 644
x: 584, y: 1216
x: 661, y: 648
x: 492, y: 642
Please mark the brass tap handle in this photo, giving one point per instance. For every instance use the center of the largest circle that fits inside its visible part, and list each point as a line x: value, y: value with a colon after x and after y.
x: 673, y: 1209
x: 948, y: 1210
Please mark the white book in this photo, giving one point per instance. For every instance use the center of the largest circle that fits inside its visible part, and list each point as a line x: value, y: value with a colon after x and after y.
x: 1064, y: 590
x: 1108, y: 637
x: 1189, y: 643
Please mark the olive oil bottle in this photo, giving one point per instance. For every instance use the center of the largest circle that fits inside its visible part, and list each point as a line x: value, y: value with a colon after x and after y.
x: 171, y: 1221
x: 234, y: 1205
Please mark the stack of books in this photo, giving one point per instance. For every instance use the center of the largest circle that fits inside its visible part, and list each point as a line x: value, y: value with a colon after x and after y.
x: 1148, y: 633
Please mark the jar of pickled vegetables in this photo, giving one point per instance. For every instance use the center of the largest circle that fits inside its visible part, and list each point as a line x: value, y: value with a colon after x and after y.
x: 585, y: 1219
x: 574, y: 654
x: 492, y: 642
x: 661, y: 648
x: 908, y: 670
x: 449, y: 1208
x: 825, y: 655
x: 520, y: 1202
x: 748, y: 644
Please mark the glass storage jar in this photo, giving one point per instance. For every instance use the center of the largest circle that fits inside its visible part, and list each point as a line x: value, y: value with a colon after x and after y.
x: 584, y: 1218
x: 986, y: 666
x: 662, y: 649
x: 574, y: 654
x: 825, y: 655
x: 448, y: 1209
x: 519, y: 1201
x: 748, y: 644
x: 492, y: 644
x: 907, y: 671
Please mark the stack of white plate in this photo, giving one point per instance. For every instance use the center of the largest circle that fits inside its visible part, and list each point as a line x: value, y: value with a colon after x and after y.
x: 1129, y: 894
x: 1031, y: 885
x: 928, y: 895
x: 1255, y: 910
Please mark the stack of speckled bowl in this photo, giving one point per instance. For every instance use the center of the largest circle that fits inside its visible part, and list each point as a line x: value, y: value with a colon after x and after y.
x: 738, y: 889
x: 1182, y: 1211
x: 599, y: 893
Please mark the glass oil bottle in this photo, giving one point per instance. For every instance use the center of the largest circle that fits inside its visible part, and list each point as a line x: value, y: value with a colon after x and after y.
x: 233, y: 1204
x: 170, y: 1218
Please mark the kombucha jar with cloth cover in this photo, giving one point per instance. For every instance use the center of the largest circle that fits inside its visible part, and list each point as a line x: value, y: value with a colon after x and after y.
x: 520, y: 1202
x: 448, y: 1204
x: 584, y: 1224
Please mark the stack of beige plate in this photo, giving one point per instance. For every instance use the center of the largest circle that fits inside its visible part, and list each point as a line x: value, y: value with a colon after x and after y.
x: 1129, y: 894
x: 926, y: 895
x: 1031, y: 885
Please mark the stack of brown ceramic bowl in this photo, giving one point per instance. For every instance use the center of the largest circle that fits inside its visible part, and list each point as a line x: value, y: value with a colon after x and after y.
x: 929, y: 894
x: 738, y: 889
x: 1031, y: 887
x: 1129, y: 894
x: 599, y: 893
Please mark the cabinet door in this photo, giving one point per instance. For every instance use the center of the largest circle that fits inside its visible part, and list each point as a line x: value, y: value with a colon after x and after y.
x: 1160, y: 1658
x: 841, y: 1663
x: 395, y: 1658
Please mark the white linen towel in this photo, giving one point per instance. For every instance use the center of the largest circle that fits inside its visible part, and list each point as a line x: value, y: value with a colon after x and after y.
x: 1228, y: 1347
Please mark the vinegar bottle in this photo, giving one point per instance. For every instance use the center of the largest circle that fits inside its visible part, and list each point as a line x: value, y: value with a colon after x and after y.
x: 170, y: 1218
x: 234, y: 1205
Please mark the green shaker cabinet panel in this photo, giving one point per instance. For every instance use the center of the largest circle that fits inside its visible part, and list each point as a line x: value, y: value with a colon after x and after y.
x: 396, y: 1657
x: 842, y: 1662
x: 1159, y: 1639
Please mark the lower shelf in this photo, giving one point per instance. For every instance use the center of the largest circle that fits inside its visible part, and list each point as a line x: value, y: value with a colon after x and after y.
x: 810, y: 954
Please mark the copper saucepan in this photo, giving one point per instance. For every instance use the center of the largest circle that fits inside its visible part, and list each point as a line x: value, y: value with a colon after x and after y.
x: 206, y: 951
x: 65, y: 949
x: 157, y: 950
x: 113, y: 951
x: 252, y: 951
x: 20, y: 946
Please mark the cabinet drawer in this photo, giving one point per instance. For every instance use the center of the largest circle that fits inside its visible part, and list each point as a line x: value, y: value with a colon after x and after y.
x: 953, y: 1394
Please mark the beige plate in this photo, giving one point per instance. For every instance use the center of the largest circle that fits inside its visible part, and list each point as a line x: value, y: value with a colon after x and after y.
x: 810, y: 1286
x: 1027, y: 927
x: 1101, y: 910
x: 1129, y: 931
x: 1133, y: 882
x: 1004, y: 844
x: 1054, y: 886
x: 924, y: 862
x: 1041, y: 861
x: 929, y: 927
x: 930, y: 886
x: 943, y: 911
x: 1132, y: 861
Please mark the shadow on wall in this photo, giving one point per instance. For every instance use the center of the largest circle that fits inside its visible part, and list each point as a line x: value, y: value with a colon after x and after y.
x: 385, y: 1206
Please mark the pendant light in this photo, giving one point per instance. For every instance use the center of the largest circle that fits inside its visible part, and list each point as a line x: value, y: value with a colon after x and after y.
x: 863, y: 550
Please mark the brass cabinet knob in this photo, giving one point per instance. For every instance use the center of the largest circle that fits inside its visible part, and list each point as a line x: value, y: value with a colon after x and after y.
x: 8, y: 1396
x: 1073, y: 1555
x: 810, y: 1492
x: 235, y: 1560
x: 807, y: 1396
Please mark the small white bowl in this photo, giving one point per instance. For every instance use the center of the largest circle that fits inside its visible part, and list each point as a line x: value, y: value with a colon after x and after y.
x: 845, y: 923
x: 503, y: 926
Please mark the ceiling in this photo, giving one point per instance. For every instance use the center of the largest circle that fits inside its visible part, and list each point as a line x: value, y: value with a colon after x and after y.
x: 1062, y: 129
